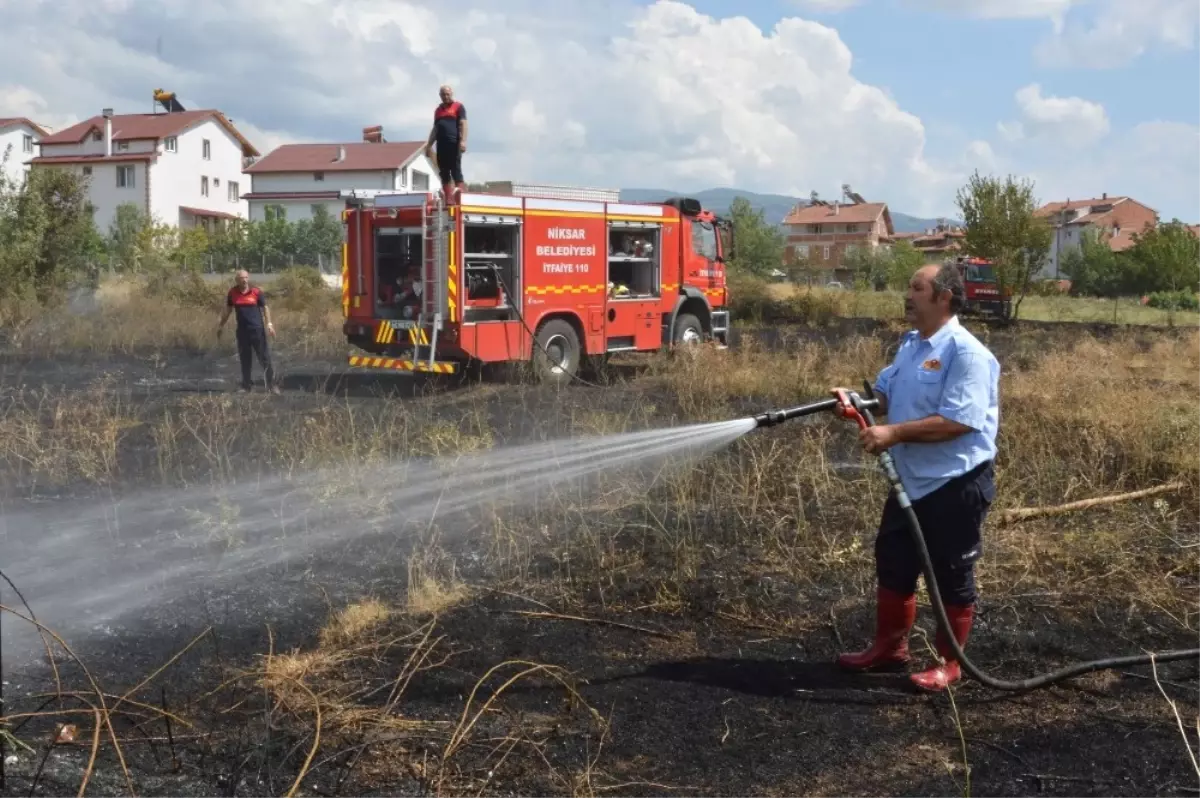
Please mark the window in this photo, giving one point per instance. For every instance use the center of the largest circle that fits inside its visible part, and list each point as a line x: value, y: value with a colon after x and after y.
x: 27, y: 143
x: 171, y: 144
x: 402, y: 180
x: 313, y: 210
x: 704, y: 239
x: 87, y: 171
x: 204, y: 186
x: 234, y: 194
x: 802, y: 250
x: 420, y: 181
x: 206, y: 150
x: 319, y: 176
x: 851, y: 228
x: 274, y: 212
x: 123, y: 146
x: 825, y: 252
x: 125, y: 177
x: 97, y: 135
x: 815, y: 229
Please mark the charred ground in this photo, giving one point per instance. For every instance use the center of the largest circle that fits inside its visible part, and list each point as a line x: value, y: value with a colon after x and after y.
x: 662, y: 633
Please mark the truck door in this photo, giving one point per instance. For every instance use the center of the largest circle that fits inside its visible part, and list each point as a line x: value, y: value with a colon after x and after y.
x: 701, y: 268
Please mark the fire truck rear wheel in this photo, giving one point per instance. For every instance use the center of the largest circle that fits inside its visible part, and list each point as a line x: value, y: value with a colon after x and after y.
x: 556, y: 355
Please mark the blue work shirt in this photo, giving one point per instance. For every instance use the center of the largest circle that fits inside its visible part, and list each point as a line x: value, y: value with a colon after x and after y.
x: 953, y: 375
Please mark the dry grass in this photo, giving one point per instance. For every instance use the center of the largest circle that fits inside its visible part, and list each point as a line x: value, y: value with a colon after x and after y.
x: 775, y: 512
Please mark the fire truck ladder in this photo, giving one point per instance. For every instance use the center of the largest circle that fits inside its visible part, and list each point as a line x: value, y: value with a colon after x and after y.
x: 433, y: 276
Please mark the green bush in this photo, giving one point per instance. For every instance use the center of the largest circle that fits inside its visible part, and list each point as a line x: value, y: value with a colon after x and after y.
x: 752, y: 300
x: 1174, y: 300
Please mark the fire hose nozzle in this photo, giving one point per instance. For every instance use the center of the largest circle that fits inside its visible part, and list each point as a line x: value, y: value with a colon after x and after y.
x: 845, y: 404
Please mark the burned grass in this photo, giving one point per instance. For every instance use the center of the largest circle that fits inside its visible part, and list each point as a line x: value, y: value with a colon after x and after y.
x: 659, y: 631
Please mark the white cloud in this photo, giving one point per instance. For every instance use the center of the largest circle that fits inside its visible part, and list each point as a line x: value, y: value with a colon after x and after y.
x: 1097, y: 34
x: 1121, y: 31
x: 825, y: 6
x: 1153, y: 162
x: 597, y: 94
x: 1060, y: 120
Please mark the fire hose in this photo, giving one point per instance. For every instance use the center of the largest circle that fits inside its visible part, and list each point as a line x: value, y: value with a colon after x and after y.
x: 852, y: 406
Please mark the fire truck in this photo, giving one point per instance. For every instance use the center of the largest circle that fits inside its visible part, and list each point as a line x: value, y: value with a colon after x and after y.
x: 984, y: 295
x: 550, y: 275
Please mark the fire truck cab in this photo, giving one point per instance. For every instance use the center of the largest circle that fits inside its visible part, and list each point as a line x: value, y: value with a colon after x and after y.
x: 546, y: 274
x: 982, y: 284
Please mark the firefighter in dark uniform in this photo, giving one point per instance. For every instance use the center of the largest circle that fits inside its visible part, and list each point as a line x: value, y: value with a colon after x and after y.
x: 941, y: 398
x: 250, y: 305
x: 449, y: 133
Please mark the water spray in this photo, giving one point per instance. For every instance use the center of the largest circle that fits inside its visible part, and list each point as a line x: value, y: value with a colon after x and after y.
x: 852, y: 406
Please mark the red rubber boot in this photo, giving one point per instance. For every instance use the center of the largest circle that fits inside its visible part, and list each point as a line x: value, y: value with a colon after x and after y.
x: 940, y: 677
x: 894, y: 617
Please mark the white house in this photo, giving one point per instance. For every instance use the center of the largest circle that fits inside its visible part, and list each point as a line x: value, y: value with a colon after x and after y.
x: 293, y: 180
x: 184, y: 168
x: 19, y: 138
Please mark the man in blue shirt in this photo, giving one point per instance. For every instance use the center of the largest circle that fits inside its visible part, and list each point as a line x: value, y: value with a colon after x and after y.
x: 941, y: 399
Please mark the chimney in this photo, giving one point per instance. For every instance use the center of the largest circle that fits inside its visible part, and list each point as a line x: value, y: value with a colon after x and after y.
x: 341, y: 154
x: 837, y: 206
x: 1104, y: 195
x: 107, y: 113
x: 373, y: 135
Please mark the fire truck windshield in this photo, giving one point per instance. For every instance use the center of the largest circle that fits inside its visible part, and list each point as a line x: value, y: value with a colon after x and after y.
x: 976, y: 273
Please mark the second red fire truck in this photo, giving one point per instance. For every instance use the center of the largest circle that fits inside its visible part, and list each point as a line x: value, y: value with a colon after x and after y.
x: 982, y: 284
x: 543, y: 274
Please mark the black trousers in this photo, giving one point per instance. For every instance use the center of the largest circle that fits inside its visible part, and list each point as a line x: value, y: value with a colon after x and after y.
x: 449, y: 158
x: 952, y: 519
x: 254, y: 341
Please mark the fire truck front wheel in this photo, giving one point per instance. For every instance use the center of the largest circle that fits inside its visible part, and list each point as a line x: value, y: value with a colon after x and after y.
x: 688, y: 330
x: 556, y: 354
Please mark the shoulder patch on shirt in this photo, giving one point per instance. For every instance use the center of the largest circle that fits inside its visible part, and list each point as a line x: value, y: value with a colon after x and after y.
x: 932, y: 365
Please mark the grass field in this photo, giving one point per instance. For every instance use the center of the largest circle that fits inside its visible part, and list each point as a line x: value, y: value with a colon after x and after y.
x: 661, y: 630
x: 890, y: 304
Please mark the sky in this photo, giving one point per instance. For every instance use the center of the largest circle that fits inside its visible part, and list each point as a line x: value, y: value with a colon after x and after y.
x: 901, y: 99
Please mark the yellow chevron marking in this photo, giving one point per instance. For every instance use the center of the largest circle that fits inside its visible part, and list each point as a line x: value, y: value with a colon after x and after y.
x: 547, y: 290
x: 397, y: 364
x: 345, y: 281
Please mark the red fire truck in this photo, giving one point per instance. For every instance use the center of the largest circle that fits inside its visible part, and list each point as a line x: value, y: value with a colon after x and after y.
x: 544, y: 274
x: 982, y: 285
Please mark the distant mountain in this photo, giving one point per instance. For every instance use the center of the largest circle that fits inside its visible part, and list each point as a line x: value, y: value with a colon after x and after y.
x: 774, y: 206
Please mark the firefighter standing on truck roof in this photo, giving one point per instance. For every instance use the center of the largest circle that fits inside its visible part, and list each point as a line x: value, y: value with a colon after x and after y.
x: 250, y: 304
x: 449, y: 132
x: 941, y: 398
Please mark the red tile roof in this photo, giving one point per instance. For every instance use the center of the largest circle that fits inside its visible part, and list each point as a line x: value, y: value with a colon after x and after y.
x: 291, y: 195
x: 862, y: 213
x: 1074, y: 205
x: 360, y: 157
x: 122, y: 157
x: 11, y: 121
x: 131, y: 127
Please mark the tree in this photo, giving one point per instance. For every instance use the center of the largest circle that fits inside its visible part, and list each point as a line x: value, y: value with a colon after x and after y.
x: 758, y: 245
x: 47, y: 236
x: 1095, y: 270
x: 905, y: 259
x: 1001, y: 226
x: 1165, y: 258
